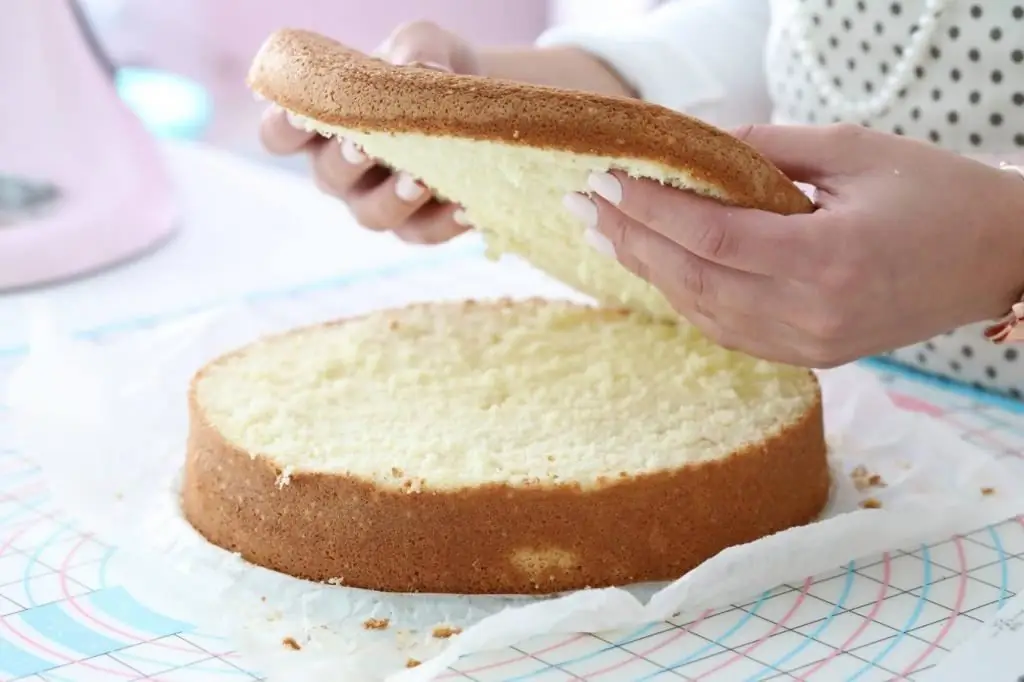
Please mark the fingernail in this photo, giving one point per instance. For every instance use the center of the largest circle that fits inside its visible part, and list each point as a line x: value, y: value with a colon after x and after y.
x: 407, y: 188
x: 433, y: 66
x: 581, y: 207
x: 293, y: 120
x: 351, y: 152
x: 381, y: 51
x: 606, y: 186
x: 461, y: 218
x: 599, y: 242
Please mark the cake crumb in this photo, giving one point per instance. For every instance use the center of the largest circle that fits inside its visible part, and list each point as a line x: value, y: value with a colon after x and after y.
x: 412, y: 663
x: 393, y: 325
x: 446, y: 631
x: 986, y: 491
x: 376, y: 623
x: 291, y: 643
x: 871, y: 503
x: 396, y: 472
x: 284, y: 478
x: 864, y: 479
x: 335, y: 581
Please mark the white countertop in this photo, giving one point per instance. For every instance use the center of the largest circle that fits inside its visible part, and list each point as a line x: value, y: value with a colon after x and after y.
x: 246, y: 229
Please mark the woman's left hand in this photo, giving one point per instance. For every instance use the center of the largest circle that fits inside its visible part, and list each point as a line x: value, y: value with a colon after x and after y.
x: 908, y: 241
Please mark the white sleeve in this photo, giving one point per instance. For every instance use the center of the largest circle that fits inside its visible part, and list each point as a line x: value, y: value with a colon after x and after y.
x: 702, y: 57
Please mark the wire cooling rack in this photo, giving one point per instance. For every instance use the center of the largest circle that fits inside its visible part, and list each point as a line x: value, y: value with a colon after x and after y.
x: 65, y: 617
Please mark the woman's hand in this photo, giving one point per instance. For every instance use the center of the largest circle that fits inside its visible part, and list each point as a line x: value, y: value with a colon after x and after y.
x: 379, y: 199
x: 908, y: 241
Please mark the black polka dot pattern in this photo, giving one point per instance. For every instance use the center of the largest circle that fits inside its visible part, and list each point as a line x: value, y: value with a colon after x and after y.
x: 965, y: 92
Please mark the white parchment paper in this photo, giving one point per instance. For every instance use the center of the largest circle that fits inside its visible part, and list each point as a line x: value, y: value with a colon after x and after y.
x: 106, y: 419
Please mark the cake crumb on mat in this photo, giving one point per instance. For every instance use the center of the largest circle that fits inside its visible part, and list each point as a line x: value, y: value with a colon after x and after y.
x: 871, y: 503
x: 412, y: 663
x: 376, y: 623
x: 446, y: 631
x: 291, y: 643
x: 864, y: 479
x: 986, y: 491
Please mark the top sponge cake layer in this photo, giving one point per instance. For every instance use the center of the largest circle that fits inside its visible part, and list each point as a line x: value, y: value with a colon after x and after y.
x: 508, y: 152
x: 450, y: 396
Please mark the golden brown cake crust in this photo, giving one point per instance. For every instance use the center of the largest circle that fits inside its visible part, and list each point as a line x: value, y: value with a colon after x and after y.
x: 499, y: 539
x: 321, y: 79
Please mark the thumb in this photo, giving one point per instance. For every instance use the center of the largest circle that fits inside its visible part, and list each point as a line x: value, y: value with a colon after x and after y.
x: 420, y: 43
x: 808, y: 154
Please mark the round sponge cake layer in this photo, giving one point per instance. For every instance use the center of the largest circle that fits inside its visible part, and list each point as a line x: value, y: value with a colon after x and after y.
x: 504, y: 447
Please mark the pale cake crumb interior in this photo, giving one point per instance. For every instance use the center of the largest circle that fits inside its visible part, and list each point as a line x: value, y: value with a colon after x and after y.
x: 448, y: 396
x: 513, y: 195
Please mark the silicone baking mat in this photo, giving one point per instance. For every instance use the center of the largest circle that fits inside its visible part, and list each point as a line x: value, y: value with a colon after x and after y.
x: 64, y: 616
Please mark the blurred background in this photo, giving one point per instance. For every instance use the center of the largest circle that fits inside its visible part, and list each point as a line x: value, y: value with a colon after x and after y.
x: 182, y: 64
x: 128, y: 138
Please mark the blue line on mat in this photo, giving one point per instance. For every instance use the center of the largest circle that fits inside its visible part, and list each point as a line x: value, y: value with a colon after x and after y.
x: 20, y: 663
x: 328, y: 283
x: 718, y: 641
x: 119, y: 604
x: 773, y: 667
x: 54, y: 623
x: 585, y: 657
x: 948, y: 385
x: 34, y: 559
x: 1004, y: 566
x: 911, y: 620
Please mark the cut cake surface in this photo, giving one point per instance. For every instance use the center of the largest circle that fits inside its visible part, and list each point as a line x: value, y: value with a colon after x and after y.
x: 508, y: 152
x: 498, y: 447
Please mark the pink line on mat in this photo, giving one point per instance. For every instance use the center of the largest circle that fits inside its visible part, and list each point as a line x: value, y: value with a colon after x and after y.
x: 72, y: 601
x: 676, y: 636
x: 56, y: 655
x: 915, y: 404
x: 9, y: 542
x: 985, y: 434
x: 961, y: 591
x: 775, y: 628
x: 6, y: 622
x: 515, y: 659
x: 875, y: 608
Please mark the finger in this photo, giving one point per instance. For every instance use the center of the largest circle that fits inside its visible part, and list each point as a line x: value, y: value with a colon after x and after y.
x: 390, y: 204
x: 743, y: 239
x: 756, y: 337
x: 340, y: 167
x: 279, y: 136
x: 421, y: 43
x: 435, y: 223
x: 681, y: 275
x: 816, y: 155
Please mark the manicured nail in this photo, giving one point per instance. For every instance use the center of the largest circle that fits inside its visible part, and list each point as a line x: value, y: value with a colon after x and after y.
x: 381, y: 51
x: 433, y: 66
x: 461, y: 218
x: 407, y: 188
x: 599, y: 242
x: 351, y: 152
x: 581, y: 207
x: 293, y: 120
x: 606, y: 186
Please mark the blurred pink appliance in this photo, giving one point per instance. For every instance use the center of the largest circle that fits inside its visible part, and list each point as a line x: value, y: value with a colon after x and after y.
x: 82, y: 184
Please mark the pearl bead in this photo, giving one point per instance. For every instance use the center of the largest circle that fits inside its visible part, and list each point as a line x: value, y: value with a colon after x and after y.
x: 899, y: 75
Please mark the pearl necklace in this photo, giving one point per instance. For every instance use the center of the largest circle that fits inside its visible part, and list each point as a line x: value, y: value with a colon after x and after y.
x: 898, y: 79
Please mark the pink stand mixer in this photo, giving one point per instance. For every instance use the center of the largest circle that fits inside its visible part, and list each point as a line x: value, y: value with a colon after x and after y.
x: 82, y: 184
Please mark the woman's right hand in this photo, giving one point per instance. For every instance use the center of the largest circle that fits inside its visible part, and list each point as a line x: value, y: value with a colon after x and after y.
x: 379, y: 199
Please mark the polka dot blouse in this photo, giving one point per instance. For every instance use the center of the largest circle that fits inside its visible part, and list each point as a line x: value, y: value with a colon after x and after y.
x: 946, y: 71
